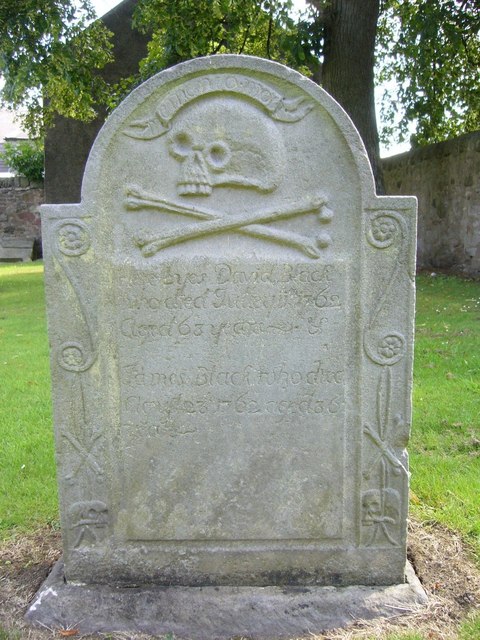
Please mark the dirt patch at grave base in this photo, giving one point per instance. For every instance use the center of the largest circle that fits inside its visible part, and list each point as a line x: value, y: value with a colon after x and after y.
x: 451, y: 579
x: 441, y: 560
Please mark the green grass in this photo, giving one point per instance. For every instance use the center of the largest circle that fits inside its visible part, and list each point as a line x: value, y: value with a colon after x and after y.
x: 470, y: 629
x: 445, y: 445
x: 28, y: 496
x: 9, y: 635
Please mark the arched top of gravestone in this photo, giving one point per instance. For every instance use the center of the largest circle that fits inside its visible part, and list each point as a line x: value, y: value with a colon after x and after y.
x: 184, y: 106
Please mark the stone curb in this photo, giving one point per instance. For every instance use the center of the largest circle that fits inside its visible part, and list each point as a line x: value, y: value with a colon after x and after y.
x: 217, y: 613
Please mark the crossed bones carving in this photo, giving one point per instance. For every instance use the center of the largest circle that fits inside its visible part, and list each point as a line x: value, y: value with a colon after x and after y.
x: 384, y: 451
x: 247, y: 224
x: 86, y: 456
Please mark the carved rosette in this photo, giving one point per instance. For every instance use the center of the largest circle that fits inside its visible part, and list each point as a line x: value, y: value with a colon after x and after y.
x: 384, y: 229
x: 73, y: 238
x: 386, y: 350
x: 72, y: 356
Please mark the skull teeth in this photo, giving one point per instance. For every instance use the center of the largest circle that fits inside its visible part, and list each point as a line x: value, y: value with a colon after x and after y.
x: 192, y: 189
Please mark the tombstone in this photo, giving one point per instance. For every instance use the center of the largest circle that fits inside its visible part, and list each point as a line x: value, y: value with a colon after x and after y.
x: 231, y: 320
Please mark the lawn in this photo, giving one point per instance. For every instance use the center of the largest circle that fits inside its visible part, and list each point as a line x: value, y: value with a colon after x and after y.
x: 445, y: 444
x: 444, y: 449
x: 28, y: 496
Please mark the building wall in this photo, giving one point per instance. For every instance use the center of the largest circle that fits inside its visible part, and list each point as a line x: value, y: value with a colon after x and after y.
x: 445, y: 177
x: 19, y: 202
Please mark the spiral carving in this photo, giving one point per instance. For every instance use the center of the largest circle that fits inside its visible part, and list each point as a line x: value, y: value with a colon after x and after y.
x: 384, y: 230
x: 72, y: 356
x: 387, y: 349
x: 73, y: 238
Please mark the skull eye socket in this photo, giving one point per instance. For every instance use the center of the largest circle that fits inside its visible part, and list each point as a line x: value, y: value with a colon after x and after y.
x: 217, y: 155
x: 181, y: 145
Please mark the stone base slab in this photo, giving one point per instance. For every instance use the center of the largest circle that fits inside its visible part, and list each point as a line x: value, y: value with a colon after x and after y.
x: 217, y: 613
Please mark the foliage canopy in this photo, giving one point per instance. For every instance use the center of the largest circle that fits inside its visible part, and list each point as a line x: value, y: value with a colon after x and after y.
x: 50, y: 54
x: 25, y: 158
x: 429, y: 57
x: 180, y: 30
x: 428, y: 54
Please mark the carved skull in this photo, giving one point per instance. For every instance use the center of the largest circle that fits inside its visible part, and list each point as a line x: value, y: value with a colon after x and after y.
x: 380, y: 505
x: 226, y: 142
x: 372, y: 506
x: 92, y: 513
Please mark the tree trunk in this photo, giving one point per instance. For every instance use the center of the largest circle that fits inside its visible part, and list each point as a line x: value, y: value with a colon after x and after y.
x: 347, y: 71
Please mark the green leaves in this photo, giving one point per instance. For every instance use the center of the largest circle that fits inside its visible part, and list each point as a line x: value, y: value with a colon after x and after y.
x: 25, y: 157
x: 184, y: 29
x: 429, y: 52
x: 49, y: 56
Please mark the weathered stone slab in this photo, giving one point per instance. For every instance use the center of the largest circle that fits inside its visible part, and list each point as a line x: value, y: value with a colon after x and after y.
x: 15, y: 249
x: 218, y: 613
x: 231, y: 317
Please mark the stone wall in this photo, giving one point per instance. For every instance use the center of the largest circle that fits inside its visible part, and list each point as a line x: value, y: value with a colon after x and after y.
x: 445, y: 177
x: 19, y: 214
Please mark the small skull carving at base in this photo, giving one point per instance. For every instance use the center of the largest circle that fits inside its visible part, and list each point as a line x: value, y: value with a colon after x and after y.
x: 89, y: 519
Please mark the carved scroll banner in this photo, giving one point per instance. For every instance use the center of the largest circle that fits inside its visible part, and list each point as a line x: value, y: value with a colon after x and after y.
x: 231, y: 321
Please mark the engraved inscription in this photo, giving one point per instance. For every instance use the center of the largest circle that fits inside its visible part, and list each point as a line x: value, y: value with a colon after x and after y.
x: 258, y: 293
x: 196, y: 403
x: 183, y: 327
x: 135, y: 375
x: 168, y: 417
x: 277, y: 106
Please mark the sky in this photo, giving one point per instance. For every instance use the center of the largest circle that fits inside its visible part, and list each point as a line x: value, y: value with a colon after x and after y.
x: 103, y: 6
